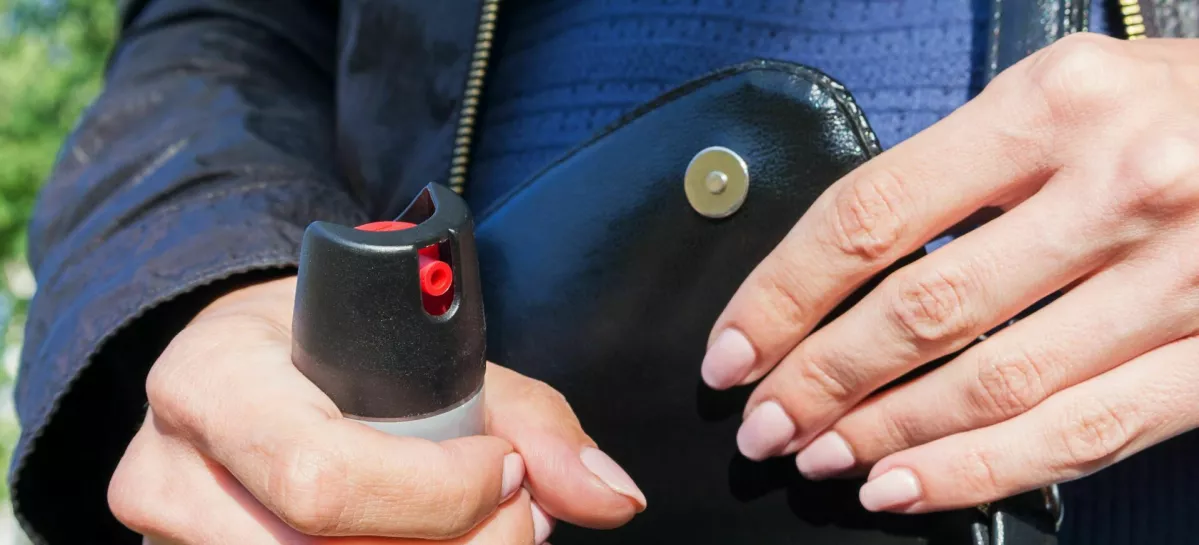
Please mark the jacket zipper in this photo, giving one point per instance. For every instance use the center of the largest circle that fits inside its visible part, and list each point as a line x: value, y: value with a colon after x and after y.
x: 1132, y: 15
x: 469, y: 114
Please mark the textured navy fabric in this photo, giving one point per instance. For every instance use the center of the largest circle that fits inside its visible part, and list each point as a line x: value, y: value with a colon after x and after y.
x: 563, y: 70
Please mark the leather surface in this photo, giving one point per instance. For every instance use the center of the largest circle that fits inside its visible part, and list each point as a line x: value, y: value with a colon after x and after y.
x: 1021, y: 27
x: 600, y: 279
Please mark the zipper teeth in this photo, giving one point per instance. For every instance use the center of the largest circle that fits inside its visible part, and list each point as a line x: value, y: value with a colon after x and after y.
x: 468, y: 116
x: 1133, y: 18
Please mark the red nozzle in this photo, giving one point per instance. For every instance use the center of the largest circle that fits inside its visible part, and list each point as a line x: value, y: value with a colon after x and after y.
x: 436, y: 276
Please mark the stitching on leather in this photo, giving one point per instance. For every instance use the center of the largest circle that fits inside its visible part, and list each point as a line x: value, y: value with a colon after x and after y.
x: 866, y: 134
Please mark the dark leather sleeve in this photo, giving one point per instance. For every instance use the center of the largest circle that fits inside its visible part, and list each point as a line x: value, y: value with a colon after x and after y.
x: 196, y: 170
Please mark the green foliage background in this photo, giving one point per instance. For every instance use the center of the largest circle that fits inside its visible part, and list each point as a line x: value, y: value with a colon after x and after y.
x: 52, y: 56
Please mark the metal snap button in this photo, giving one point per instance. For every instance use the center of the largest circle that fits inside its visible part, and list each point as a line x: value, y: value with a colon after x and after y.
x: 716, y: 182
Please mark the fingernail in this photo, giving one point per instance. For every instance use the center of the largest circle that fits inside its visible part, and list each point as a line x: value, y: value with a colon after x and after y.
x: 827, y: 456
x: 514, y: 475
x: 611, y: 473
x: 765, y: 432
x: 895, y: 488
x: 728, y: 361
x: 543, y: 525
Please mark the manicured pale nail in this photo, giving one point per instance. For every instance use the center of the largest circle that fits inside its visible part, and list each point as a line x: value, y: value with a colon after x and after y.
x: 728, y: 361
x: 766, y: 432
x: 543, y: 525
x: 514, y: 475
x: 827, y: 456
x: 604, y: 467
x: 893, y: 489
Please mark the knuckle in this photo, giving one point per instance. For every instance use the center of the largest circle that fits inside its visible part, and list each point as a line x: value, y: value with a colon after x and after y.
x: 543, y: 394
x: 868, y: 215
x: 1008, y: 384
x: 167, y: 395
x: 129, y: 502
x: 783, y: 300
x: 1074, y: 76
x: 1159, y: 176
x: 980, y: 473
x: 459, y: 500
x: 306, y: 488
x: 1096, y: 432
x: 470, y: 507
x: 933, y: 308
x: 133, y: 495
x: 829, y: 379
x: 159, y: 389
x: 178, y: 372
x: 461, y: 507
x: 901, y: 430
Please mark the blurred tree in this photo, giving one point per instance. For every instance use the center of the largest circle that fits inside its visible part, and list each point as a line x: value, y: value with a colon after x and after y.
x: 52, y: 53
x: 52, y: 57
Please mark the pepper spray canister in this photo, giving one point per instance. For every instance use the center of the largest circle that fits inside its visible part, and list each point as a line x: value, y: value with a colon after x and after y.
x: 389, y: 319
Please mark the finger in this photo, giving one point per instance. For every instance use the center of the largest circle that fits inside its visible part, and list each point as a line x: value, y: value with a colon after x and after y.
x: 989, y: 152
x: 323, y: 475
x: 1088, y: 331
x: 168, y: 492
x: 569, y: 476
x: 1072, y: 434
x: 927, y: 310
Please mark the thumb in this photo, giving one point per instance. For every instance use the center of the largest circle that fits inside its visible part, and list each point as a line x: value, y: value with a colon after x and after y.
x: 570, y: 478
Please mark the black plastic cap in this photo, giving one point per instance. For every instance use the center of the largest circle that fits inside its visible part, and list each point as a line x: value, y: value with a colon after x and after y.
x: 360, y: 330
